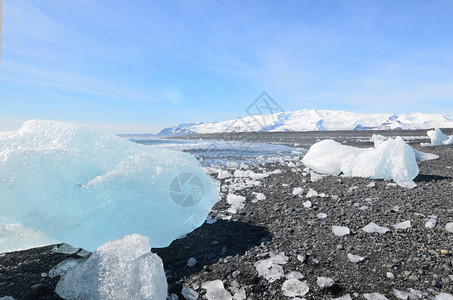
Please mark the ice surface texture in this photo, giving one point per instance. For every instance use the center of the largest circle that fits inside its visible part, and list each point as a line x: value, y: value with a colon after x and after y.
x: 85, y: 187
x: 121, y: 269
x: 390, y: 159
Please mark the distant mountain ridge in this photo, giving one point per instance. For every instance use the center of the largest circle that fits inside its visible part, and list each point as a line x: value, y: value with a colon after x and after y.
x: 314, y: 120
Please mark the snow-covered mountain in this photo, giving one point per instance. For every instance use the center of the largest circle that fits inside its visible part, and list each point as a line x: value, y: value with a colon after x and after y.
x: 315, y: 120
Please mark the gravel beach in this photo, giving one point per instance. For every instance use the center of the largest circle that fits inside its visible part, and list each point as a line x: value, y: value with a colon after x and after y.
x: 294, y: 235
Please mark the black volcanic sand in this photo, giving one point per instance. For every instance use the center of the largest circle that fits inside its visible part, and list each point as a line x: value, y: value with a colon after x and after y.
x: 419, y: 258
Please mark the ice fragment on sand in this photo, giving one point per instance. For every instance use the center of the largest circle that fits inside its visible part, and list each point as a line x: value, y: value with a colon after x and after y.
x: 431, y: 222
x: 355, y: 258
x: 189, y: 294
x: 391, y: 159
x: 216, y: 291
x: 312, y: 193
x: 84, y: 187
x: 307, y: 204
x: 403, y: 225
x: 224, y: 174
x: 191, y: 262
x: 374, y: 296
x: 236, y: 203
x: 340, y: 230
x: 439, y: 138
x: 315, y: 177
x: 321, y: 215
x: 294, y: 274
x: 325, y: 282
x: 345, y: 297
x: 121, y: 269
x: 401, y: 294
x: 373, y: 227
x: 444, y: 296
x: 390, y: 275
x: 63, y: 266
x: 260, y: 196
x: 298, y: 191
x: 371, y: 184
x: 271, y: 268
x: 449, y: 227
x: 66, y: 249
x: 294, y: 288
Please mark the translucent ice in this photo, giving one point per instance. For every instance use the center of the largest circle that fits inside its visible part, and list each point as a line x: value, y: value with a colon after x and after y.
x: 373, y: 227
x: 122, y: 269
x: 216, y: 291
x: 355, y: 258
x: 84, y: 187
x: 325, y: 282
x: 390, y: 159
x: 374, y: 296
x: 439, y: 138
x: 271, y: 268
x: 403, y: 225
x: 293, y: 288
x: 340, y: 230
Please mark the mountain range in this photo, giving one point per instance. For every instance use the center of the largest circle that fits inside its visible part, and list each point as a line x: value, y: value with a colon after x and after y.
x: 314, y: 120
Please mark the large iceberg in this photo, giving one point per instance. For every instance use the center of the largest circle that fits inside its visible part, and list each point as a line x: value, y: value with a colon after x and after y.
x: 389, y: 159
x: 122, y: 269
x: 438, y: 138
x: 84, y: 187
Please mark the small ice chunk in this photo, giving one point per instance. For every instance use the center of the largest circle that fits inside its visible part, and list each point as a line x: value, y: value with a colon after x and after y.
x: 307, y: 204
x: 391, y: 184
x: 315, y: 176
x: 374, y: 296
x: 224, y: 174
x: 431, y: 222
x: 294, y: 274
x: 444, y: 296
x: 312, y: 193
x: 300, y: 257
x: 403, y: 225
x: 321, y: 215
x: 189, y: 294
x: 215, y: 290
x: 439, y: 138
x: 340, y: 230
x: 191, y: 262
x: 390, y: 275
x: 232, y: 165
x: 373, y: 227
x: 260, y: 196
x: 294, y: 288
x: 115, y: 271
x: 271, y: 268
x: 363, y: 207
x: 83, y: 253
x: 298, y: 191
x: 236, y: 203
x: 325, y: 282
x: 210, y: 221
x: 449, y: 227
x: 402, y: 294
x: 67, y: 249
x: 355, y: 258
x: 345, y: 297
x: 63, y: 266
x: 371, y: 184
x: 390, y: 159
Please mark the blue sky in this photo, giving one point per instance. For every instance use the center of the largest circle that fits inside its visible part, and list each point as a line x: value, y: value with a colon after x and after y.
x: 138, y: 66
